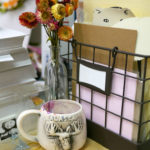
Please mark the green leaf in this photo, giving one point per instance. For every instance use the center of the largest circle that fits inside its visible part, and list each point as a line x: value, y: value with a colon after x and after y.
x: 2, y: 10
x: 49, y: 39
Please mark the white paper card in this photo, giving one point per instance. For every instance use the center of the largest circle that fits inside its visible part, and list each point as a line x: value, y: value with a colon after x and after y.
x: 142, y: 25
x: 6, y: 58
x: 93, y: 77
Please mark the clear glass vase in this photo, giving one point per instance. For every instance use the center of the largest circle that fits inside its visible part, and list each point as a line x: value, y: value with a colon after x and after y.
x: 56, y: 76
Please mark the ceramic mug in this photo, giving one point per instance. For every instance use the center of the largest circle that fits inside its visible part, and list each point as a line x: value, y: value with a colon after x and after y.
x: 61, y: 125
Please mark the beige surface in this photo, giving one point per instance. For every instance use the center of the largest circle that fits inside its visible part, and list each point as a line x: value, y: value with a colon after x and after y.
x: 139, y: 7
x: 90, y: 145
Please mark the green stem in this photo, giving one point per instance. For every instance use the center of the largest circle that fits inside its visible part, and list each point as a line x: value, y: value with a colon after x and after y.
x: 57, y: 67
x: 45, y: 27
x: 55, y: 51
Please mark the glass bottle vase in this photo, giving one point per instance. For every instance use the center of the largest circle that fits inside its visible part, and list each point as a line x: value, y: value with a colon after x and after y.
x: 56, y: 76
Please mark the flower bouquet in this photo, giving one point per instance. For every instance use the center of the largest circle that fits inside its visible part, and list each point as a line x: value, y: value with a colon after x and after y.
x: 51, y: 14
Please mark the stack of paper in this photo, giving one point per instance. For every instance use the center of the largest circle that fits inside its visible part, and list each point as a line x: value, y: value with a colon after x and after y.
x: 15, y: 65
x: 10, y: 39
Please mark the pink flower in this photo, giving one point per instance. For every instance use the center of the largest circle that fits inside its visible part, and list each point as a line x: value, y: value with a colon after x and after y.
x: 44, y: 17
x: 66, y: 1
x: 53, y: 25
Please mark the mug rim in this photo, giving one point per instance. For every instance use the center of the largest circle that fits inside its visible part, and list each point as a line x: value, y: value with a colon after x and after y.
x: 63, y: 100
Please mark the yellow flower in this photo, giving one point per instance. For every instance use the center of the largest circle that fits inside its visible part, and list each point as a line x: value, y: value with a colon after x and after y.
x: 65, y: 33
x: 52, y: 2
x: 58, y: 11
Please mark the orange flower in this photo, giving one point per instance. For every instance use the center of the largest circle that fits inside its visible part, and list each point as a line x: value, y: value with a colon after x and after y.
x: 69, y: 9
x: 65, y: 33
x: 28, y: 19
x: 42, y: 5
x: 10, y: 4
x: 13, y: 2
x: 75, y: 3
x: 54, y: 1
x: 6, y: 5
x: 37, y: 101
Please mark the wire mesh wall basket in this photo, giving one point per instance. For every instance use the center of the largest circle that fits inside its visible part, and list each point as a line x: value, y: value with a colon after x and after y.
x: 113, y: 87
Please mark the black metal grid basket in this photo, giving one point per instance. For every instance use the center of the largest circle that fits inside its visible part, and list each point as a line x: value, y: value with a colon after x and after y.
x: 101, y: 134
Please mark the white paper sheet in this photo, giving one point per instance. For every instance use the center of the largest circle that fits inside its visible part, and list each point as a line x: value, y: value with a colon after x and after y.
x: 6, y: 58
x: 142, y: 25
x: 8, y: 33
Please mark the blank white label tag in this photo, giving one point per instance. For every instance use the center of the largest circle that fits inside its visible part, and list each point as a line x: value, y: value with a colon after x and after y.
x: 93, y: 77
x: 6, y: 58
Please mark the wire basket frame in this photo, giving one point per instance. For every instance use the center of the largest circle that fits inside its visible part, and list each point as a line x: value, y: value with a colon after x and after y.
x: 101, y: 134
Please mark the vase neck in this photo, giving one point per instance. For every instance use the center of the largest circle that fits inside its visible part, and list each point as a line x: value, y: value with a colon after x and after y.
x: 55, y: 52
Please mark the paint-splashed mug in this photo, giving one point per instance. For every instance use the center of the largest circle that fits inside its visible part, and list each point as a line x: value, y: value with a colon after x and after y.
x: 61, y: 125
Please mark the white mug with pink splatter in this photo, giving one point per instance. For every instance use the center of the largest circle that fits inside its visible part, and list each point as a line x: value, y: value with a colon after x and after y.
x: 61, y: 125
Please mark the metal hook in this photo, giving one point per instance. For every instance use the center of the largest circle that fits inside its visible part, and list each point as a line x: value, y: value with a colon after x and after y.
x: 114, y: 51
x: 74, y: 45
x: 114, y: 54
x: 73, y: 42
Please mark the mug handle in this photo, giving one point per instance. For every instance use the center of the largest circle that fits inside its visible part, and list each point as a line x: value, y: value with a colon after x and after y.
x: 20, y: 127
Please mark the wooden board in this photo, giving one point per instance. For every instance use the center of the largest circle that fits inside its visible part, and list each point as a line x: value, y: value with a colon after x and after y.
x: 90, y: 145
x: 106, y: 37
x: 9, y: 144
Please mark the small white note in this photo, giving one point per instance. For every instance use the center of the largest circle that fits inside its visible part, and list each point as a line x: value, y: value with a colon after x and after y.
x: 6, y: 58
x: 93, y: 77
